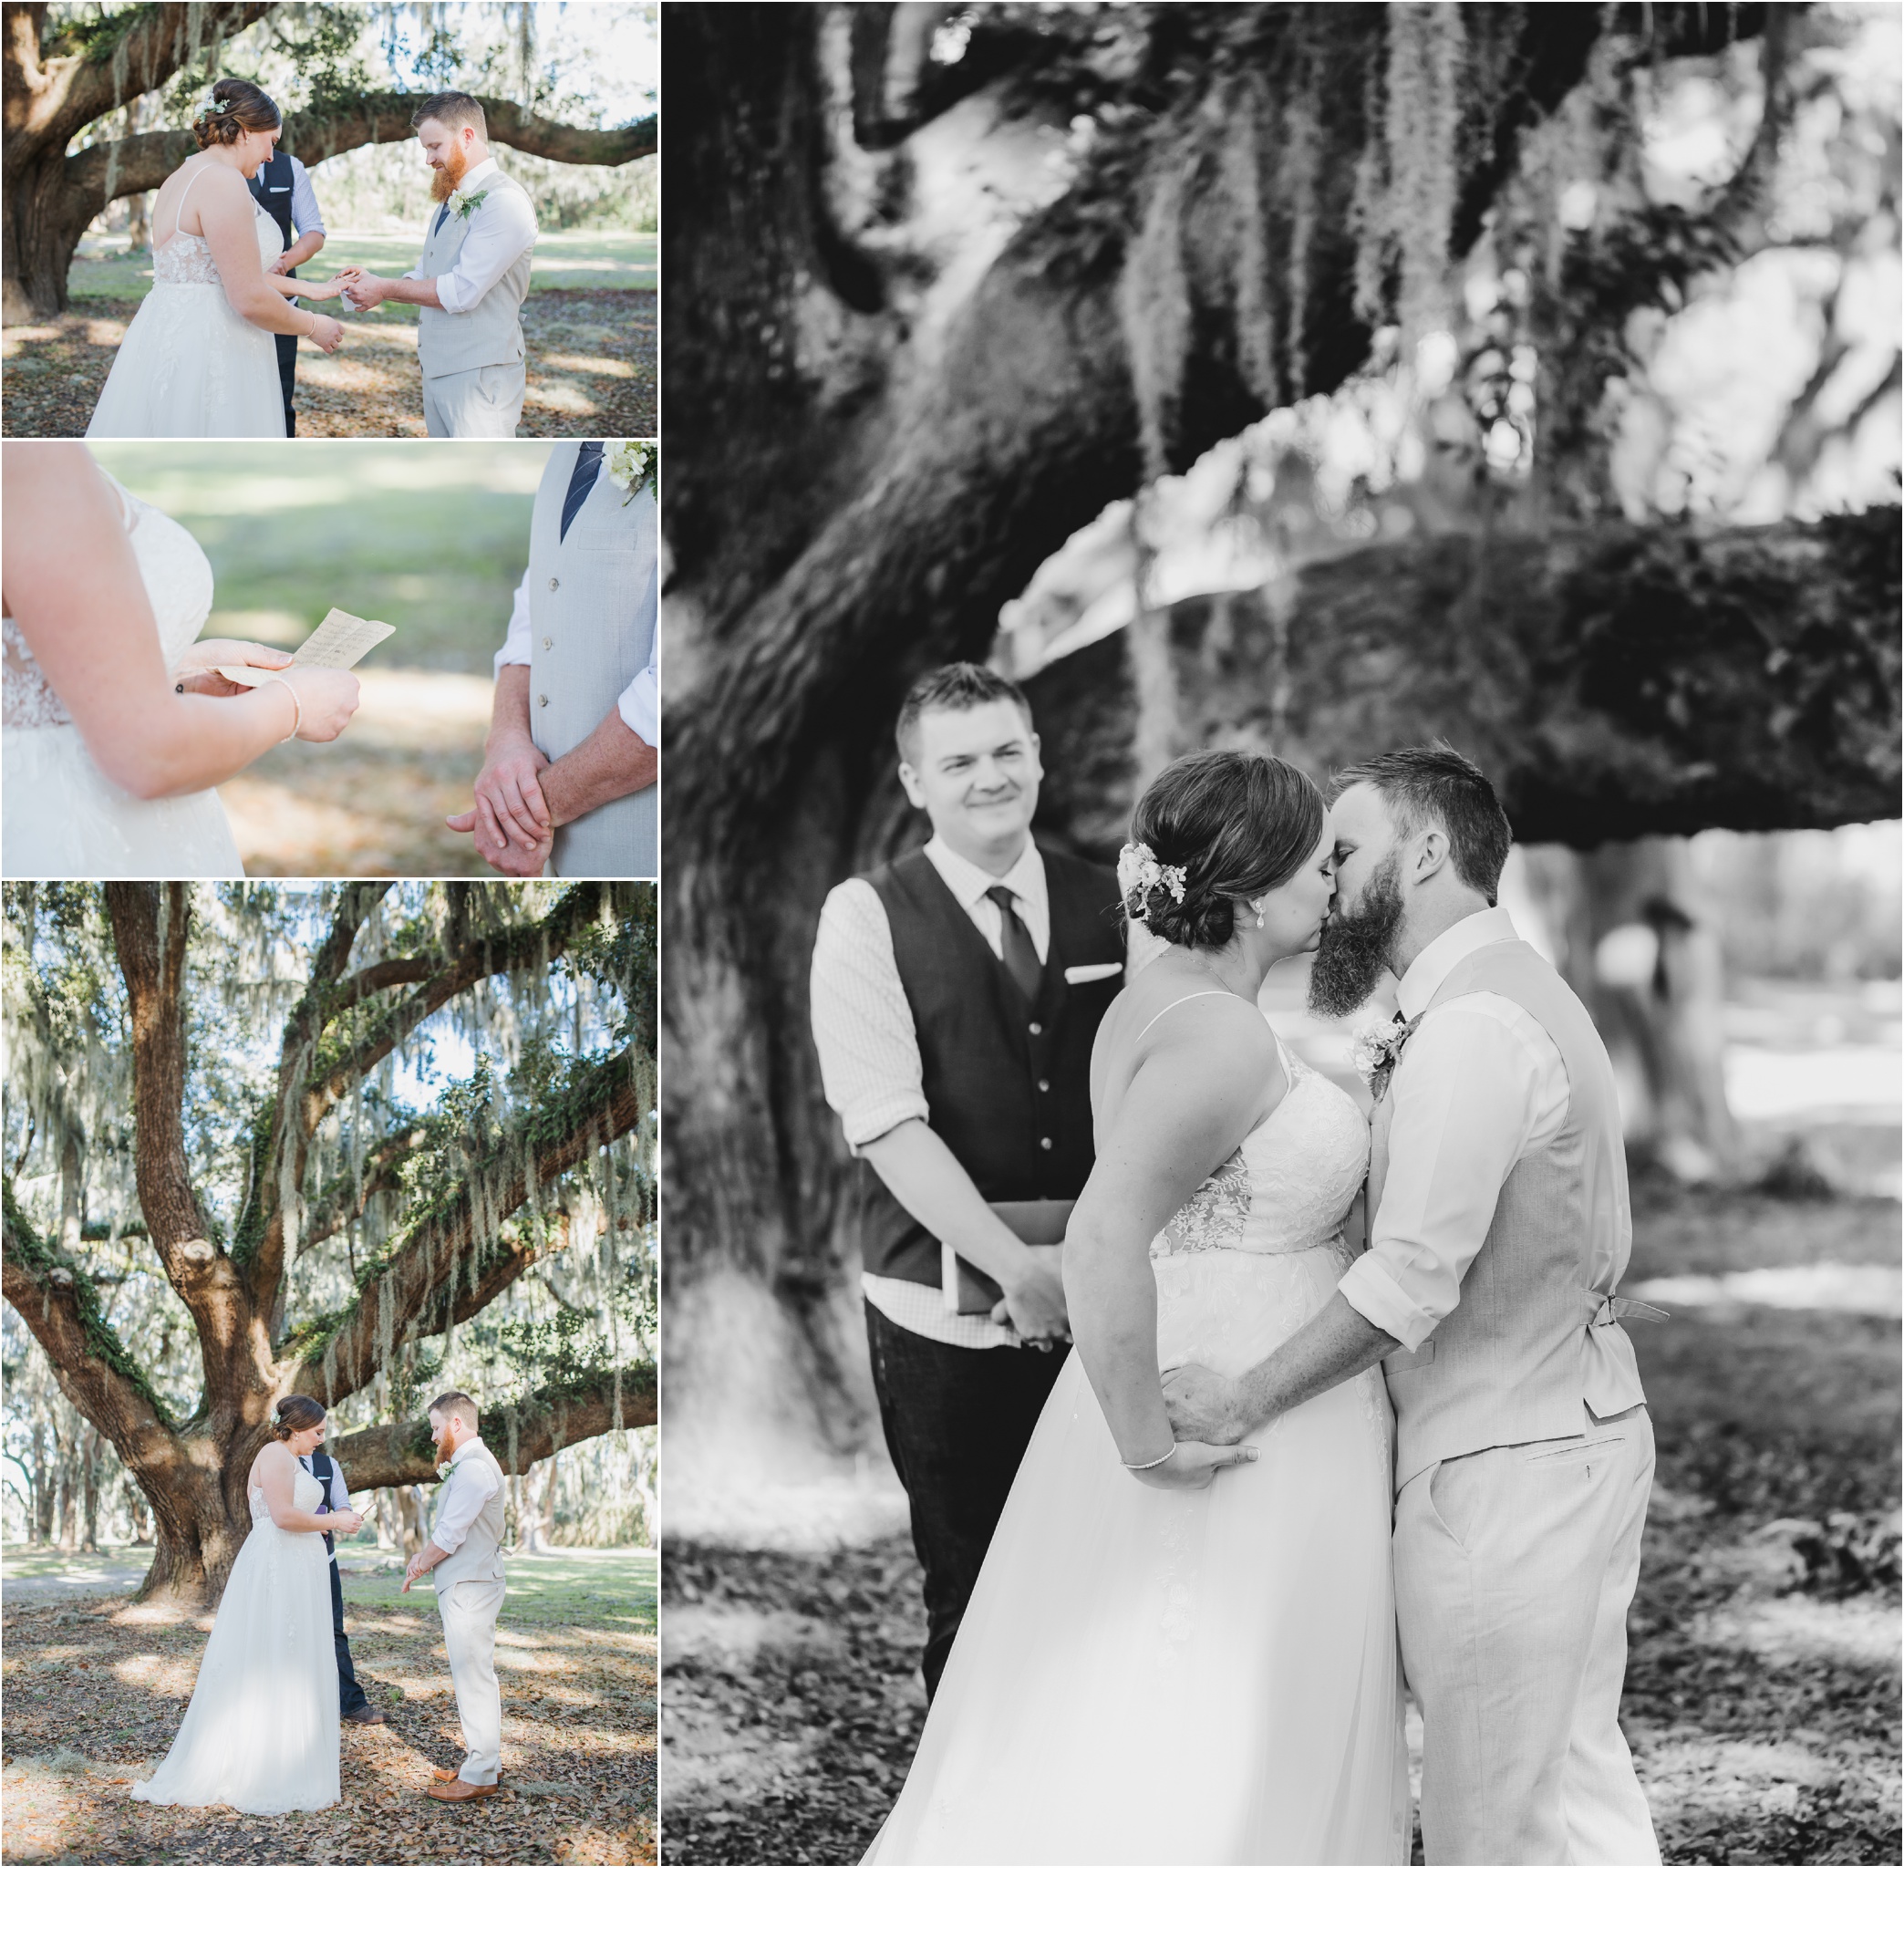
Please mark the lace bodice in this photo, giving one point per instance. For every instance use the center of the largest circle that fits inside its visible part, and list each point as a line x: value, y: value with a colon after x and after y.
x: 1290, y: 1182
x: 178, y: 581
x: 186, y: 260
x: 306, y: 1494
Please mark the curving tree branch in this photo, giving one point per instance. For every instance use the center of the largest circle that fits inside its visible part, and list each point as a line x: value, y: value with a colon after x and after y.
x: 518, y: 1434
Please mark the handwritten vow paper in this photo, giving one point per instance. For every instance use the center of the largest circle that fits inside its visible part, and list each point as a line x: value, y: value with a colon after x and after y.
x: 341, y: 641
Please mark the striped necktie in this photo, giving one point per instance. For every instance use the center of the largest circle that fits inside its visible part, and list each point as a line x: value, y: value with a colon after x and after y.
x: 588, y: 466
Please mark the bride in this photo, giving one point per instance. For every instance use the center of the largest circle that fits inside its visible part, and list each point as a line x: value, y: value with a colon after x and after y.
x: 1178, y: 1652
x: 261, y: 1734
x: 113, y: 736
x: 199, y: 357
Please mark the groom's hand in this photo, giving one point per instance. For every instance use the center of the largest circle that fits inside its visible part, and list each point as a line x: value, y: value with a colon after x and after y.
x: 367, y: 290
x: 509, y: 794
x: 1203, y: 1406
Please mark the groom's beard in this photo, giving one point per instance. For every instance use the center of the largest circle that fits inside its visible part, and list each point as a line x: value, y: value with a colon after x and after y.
x: 445, y: 1447
x: 1355, y: 947
x: 445, y: 177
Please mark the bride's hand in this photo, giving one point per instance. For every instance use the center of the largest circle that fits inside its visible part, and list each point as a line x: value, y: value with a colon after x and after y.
x: 228, y: 653
x: 327, y: 697
x: 325, y: 332
x: 328, y: 290
x: 1194, y: 1465
x: 346, y: 1523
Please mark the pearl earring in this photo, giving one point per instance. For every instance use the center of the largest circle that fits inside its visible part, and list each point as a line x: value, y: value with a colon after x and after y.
x: 1256, y: 904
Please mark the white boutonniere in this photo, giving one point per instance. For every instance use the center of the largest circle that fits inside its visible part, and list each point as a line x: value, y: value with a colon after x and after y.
x: 1378, y: 1047
x: 635, y: 465
x: 465, y: 204
x: 445, y: 1471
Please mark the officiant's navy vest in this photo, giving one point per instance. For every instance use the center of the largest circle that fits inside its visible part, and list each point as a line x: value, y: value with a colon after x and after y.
x: 1006, y: 1080
x: 321, y: 1467
x: 272, y: 188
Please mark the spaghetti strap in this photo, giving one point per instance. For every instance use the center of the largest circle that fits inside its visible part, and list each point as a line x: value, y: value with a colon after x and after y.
x: 1209, y: 993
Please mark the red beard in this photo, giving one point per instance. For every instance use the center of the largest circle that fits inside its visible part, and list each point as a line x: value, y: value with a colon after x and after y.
x: 445, y: 177
x: 445, y: 1447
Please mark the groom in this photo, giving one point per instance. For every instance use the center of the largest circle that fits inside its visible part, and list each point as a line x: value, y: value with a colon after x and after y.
x: 570, y: 768
x: 1501, y: 1225
x: 465, y: 1551
x: 955, y: 994
x: 470, y: 283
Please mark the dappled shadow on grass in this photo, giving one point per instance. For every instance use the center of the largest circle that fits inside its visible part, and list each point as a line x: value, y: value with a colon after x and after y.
x: 591, y: 362
x: 95, y: 1689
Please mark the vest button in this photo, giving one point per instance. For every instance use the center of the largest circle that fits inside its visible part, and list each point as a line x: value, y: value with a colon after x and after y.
x: 1045, y: 1142
x: 555, y: 585
x: 547, y: 642
x: 1036, y: 1029
x: 1044, y: 1088
x: 541, y: 701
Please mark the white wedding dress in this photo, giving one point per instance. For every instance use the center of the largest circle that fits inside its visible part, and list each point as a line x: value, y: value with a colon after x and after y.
x: 191, y: 363
x: 1152, y: 1676
x: 261, y: 1734
x: 60, y: 815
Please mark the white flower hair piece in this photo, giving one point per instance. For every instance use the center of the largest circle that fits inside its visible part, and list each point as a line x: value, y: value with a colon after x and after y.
x: 214, y: 105
x: 1139, y: 873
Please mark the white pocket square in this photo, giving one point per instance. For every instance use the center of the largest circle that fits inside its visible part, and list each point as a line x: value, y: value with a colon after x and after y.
x: 1084, y: 975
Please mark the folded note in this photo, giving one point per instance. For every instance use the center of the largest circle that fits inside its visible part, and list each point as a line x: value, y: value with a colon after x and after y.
x: 341, y: 641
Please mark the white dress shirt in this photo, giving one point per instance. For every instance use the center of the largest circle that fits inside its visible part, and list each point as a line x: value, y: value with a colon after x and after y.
x: 337, y: 1496
x: 304, y: 213
x: 640, y: 702
x: 870, y: 1065
x: 474, y: 1481
x: 501, y: 229
x: 1479, y: 1085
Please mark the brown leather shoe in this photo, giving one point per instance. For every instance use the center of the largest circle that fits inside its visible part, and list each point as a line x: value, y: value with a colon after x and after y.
x: 457, y: 1790
x: 452, y: 1775
x: 368, y: 1717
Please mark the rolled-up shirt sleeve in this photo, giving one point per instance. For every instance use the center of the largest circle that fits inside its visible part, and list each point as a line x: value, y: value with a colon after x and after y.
x: 501, y: 228
x: 863, y: 1026
x: 640, y: 702
x: 1468, y: 1094
x: 516, y: 651
x: 468, y: 1490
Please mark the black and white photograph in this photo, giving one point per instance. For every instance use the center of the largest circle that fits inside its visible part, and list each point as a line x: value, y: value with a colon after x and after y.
x: 1281, y: 913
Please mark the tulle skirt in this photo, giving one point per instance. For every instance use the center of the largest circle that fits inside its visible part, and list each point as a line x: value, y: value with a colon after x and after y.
x: 61, y: 816
x: 1150, y: 1676
x: 191, y: 364
x: 261, y: 1734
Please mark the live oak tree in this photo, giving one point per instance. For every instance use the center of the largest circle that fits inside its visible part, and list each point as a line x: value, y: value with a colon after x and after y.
x: 310, y: 1144
x: 943, y: 283
x: 63, y: 73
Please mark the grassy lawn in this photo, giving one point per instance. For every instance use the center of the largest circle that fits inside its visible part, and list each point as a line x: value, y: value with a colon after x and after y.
x: 95, y: 1687
x: 563, y: 261
x: 1762, y: 1692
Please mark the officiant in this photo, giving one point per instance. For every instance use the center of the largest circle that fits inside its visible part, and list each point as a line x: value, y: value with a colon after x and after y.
x: 283, y: 186
x: 957, y: 993
x: 353, y: 1702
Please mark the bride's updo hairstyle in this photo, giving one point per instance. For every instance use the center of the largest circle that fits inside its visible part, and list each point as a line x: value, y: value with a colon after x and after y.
x: 294, y: 1412
x: 235, y: 107
x: 1234, y: 825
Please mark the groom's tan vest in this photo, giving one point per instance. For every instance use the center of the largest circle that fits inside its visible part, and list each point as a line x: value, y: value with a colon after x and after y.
x: 480, y: 1555
x: 489, y: 333
x: 592, y: 600
x: 1533, y: 1341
